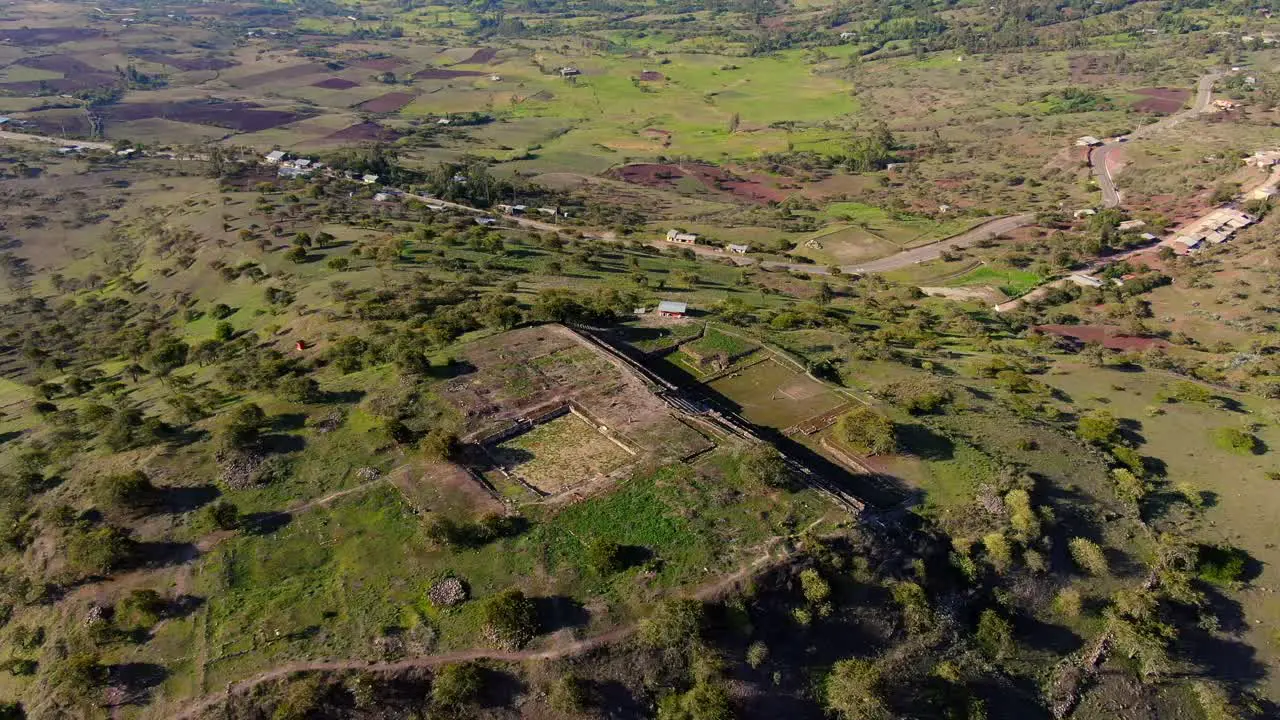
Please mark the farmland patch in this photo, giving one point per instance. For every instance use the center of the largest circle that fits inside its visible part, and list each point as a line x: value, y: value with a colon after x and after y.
x: 481, y: 56
x: 391, y: 102
x: 239, y: 116
x: 365, y: 131
x: 774, y: 395
x: 335, y: 83
x: 669, y: 177
x: 381, y: 64
x: 560, y: 454
x: 292, y: 72
x: 1106, y: 336
x: 1161, y: 100
x: 32, y: 37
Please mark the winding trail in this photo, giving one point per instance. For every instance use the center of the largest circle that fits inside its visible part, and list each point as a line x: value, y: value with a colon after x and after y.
x: 710, y: 590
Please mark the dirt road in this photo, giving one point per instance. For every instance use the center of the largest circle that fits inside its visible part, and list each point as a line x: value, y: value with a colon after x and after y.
x: 933, y: 251
x: 770, y: 557
x: 48, y: 140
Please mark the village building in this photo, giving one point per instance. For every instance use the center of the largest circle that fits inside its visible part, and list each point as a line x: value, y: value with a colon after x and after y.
x: 1128, y: 225
x: 681, y: 237
x: 1087, y: 141
x: 275, y: 157
x: 569, y: 71
x: 1263, y: 159
x: 1085, y: 280
x: 739, y: 249
x: 369, y: 179
x: 671, y: 308
x: 1084, y: 212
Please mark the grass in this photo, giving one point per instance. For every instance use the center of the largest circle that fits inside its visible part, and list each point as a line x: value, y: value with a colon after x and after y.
x: 561, y: 453
x: 714, y: 342
x: 774, y: 395
x: 1010, y: 281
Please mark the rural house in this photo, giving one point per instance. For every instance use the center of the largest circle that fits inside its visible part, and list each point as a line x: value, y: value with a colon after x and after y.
x: 671, y: 308
x: 739, y: 249
x: 681, y: 237
x: 1088, y: 141
x: 569, y: 71
x: 274, y: 157
x: 1128, y: 225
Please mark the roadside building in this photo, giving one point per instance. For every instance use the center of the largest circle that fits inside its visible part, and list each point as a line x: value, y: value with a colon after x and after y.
x: 681, y: 237
x: 1087, y: 141
x: 739, y: 249
x: 1084, y: 280
x: 671, y: 308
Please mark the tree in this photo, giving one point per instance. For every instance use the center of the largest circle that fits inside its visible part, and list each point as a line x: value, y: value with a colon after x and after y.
x: 995, y: 634
x: 868, y: 432
x: 223, y: 331
x: 456, y: 685
x: 296, y: 254
x: 1237, y: 441
x: 605, y: 556
x: 224, y: 515
x: 569, y: 694
x: 816, y: 589
x: 143, y: 608
x: 440, y: 444
x: 998, y: 551
x: 675, y: 624
x: 1098, y: 427
x: 168, y: 356
x: 763, y: 465
x: 129, y: 491
x: 299, y: 388
x: 243, y: 427
x: 706, y: 700
x: 853, y: 690
x: 1088, y: 556
x: 510, y: 619
x: 100, y: 550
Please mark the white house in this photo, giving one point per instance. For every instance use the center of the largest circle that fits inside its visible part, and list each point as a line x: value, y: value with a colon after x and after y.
x: 683, y: 238
x: 274, y: 157
x: 1131, y: 225
x: 739, y: 249
x: 1087, y: 141
x: 369, y: 179
x: 1085, y: 280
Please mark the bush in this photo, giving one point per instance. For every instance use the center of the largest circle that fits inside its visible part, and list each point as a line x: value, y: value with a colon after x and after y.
x: 816, y: 589
x: 676, y: 623
x: 1237, y: 441
x: 1098, y: 427
x: 456, y: 685
x: 605, y: 556
x: 224, y: 515
x: 569, y: 694
x: 762, y: 465
x: 853, y: 690
x: 510, y: 619
x: 995, y: 635
x: 124, y: 492
x: 100, y: 550
x: 1088, y: 556
x: 868, y: 432
x: 1220, y: 564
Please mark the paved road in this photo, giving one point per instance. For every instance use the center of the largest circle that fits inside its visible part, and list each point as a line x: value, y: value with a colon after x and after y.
x: 1098, y: 157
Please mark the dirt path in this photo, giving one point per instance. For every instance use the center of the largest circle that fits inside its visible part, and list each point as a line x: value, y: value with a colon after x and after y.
x: 707, y: 591
x: 46, y: 139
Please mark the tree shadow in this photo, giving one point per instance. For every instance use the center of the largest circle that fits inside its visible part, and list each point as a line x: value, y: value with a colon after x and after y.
x: 265, y: 523
x: 281, y: 443
x: 1131, y: 431
x: 285, y: 422
x: 923, y: 442
x: 1040, y: 635
x: 137, y: 680
x: 557, y: 612
x: 163, y: 554
x: 343, y: 396
x: 500, y: 689
x: 11, y: 435
x: 177, y: 500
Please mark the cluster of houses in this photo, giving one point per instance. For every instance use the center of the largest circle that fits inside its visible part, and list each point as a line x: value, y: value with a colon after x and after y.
x: 681, y: 237
x: 1213, y: 229
x: 525, y: 209
x: 1263, y: 159
x: 305, y: 167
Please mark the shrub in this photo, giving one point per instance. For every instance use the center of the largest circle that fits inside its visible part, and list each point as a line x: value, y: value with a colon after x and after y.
x: 224, y: 515
x: 763, y: 465
x: 129, y: 491
x: 568, y: 695
x: 757, y: 654
x: 995, y: 634
x: 1220, y: 564
x: 605, y: 556
x: 816, y: 589
x: 1088, y: 556
x: 100, y: 550
x: 1237, y: 441
x: 853, y: 690
x: 868, y: 432
x: 1068, y: 603
x: 675, y: 623
x: 510, y: 619
x: 1098, y: 427
x: 456, y: 685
